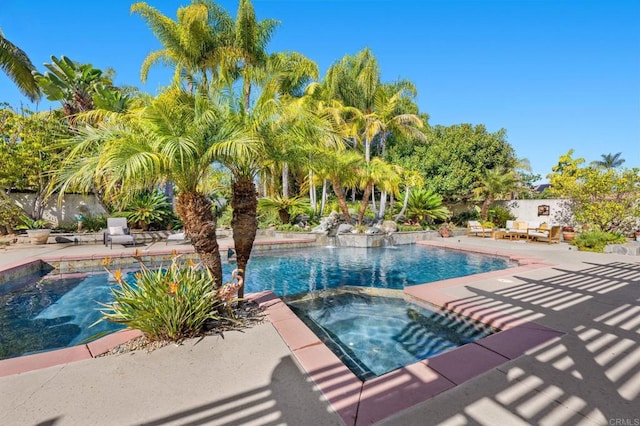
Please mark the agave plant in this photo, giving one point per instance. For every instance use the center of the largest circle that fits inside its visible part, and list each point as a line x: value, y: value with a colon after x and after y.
x: 285, y: 206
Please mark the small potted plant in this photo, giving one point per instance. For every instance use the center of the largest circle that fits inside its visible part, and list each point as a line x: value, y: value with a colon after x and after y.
x: 568, y: 233
x: 446, y: 229
x: 37, y: 229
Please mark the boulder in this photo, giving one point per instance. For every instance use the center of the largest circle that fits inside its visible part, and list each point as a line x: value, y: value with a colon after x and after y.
x: 344, y: 228
x: 389, y: 226
x: 372, y: 230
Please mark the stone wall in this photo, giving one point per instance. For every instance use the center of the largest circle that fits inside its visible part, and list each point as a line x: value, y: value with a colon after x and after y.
x: 63, y: 213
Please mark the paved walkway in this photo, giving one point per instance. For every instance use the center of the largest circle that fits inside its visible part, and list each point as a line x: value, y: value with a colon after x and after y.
x: 590, y: 375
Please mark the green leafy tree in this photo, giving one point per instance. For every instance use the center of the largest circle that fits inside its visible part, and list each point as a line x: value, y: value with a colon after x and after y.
x: 18, y: 67
x: 604, y: 199
x: 452, y: 160
x: 28, y: 155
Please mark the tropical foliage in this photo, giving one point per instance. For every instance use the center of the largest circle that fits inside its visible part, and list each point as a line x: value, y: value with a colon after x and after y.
x: 604, y: 199
x: 169, y: 303
x: 425, y: 206
x: 149, y: 209
x: 597, y: 240
x: 18, y: 67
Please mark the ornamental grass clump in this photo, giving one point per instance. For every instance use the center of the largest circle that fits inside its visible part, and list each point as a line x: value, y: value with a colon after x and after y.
x: 165, y: 304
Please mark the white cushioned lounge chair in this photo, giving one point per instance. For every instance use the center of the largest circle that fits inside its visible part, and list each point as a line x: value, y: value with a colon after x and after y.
x: 117, y: 232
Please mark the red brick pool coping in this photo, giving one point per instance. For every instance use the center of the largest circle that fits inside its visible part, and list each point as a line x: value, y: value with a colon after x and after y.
x: 358, y: 402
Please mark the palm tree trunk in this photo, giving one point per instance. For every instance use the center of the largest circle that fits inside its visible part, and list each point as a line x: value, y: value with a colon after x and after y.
x: 365, y: 201
x: 485, y: 207
x: 402, y: 212
x: 342, y: 201
x: 323, y: 201
x: 194, y: 209
x: 373, y: 201
x: 367, y: 150
x: 312, y: 193
x: 285, y: 180
x: 244, y: 203
x: 383, y: 203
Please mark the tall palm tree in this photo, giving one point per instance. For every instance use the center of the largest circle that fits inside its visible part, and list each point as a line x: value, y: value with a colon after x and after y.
x: 18, y: 67
x: 492, y: 184
x: 610, y: 161
x: 251, y: 39
x: 197, y: 44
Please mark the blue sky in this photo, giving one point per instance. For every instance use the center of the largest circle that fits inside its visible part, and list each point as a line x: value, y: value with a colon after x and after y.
x: 557, y: 74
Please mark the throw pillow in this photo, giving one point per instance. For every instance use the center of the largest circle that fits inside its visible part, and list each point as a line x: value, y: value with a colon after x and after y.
x: 116, y: 230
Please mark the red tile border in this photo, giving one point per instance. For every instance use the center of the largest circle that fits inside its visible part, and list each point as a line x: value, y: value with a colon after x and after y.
x: 26, y: 363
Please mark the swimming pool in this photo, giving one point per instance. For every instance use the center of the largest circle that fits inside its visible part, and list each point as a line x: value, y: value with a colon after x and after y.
x: 51, y: 313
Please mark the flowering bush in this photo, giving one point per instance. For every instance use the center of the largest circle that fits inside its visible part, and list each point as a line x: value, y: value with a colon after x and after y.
x: 165, y: 304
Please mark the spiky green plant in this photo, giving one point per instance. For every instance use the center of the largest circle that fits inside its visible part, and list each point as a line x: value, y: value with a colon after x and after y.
x: 425, y: 206
x: 165, y: 304
x: 285, y: 206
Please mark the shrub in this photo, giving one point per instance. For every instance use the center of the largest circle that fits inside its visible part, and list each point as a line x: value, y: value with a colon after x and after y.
x: 500, y: 215
x: 151, y: 209
x: 409, y: 228
x: 461, y: 219
x: 285, y: 207
x: 291, y: 228
x: 94, y: 223
x: 165, y: 304
x: 595, y: 241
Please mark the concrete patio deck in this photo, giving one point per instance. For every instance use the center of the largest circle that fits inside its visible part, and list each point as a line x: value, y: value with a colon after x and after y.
x: 589, y: 373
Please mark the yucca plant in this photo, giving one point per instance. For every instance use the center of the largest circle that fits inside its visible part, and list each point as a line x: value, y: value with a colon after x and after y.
x: 165, y: 304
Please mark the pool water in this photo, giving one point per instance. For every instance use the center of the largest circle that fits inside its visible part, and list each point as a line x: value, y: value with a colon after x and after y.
x: 373, y: 335
x: 39, y: 314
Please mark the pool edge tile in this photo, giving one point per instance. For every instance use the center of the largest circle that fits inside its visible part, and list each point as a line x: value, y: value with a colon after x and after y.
x: 295, y: 333
x: 26, y: 363
x: 398, y: 390
x: 106, y: 343
x: 517, y: 341
x: 337, y: 383
x: 465, y: 362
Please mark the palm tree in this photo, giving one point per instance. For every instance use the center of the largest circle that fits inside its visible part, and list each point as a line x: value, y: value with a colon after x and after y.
x: 412, y: 179
x: 196, y: 44
x: 177, y: 138
x: 372, y: 173
x: 16, y: 64
x: 610, y: 161
x: 494, y: 183
x: 251, y: 39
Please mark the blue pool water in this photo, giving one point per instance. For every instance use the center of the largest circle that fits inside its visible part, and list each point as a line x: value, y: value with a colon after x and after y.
x: 374, y: 335
x: 44, y: 314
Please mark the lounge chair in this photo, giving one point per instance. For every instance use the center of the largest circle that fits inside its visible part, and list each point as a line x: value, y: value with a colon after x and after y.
x: 551, y: 235
x: 178, y: 237
x: 118, y: 232
x: 474, y: 227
